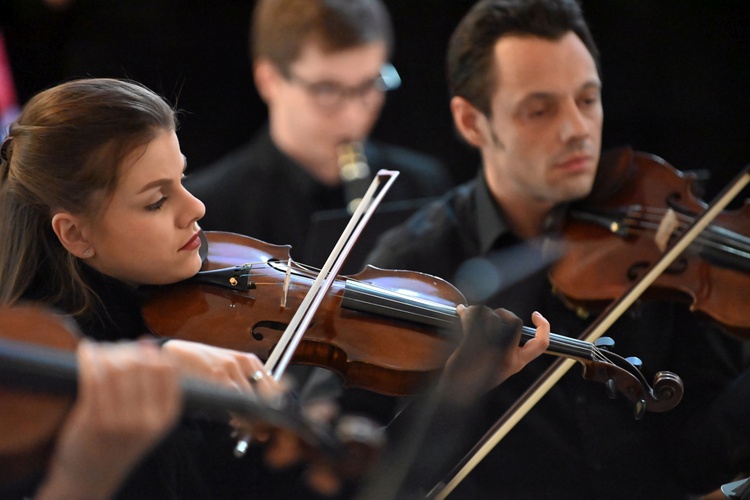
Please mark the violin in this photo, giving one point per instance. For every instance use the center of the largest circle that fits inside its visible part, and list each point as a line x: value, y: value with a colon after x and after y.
x: 639, y: 205
x: 386, y: 331
x: 38, y: 381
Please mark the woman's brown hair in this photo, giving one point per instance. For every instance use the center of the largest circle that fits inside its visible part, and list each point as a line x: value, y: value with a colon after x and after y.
x: 63, y: 153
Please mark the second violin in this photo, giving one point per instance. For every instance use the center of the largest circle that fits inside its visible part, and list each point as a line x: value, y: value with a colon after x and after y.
x: 649, y: 203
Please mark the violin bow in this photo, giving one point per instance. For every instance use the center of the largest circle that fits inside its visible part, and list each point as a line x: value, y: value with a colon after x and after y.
x: 611, y: 314
x: 282, y: 353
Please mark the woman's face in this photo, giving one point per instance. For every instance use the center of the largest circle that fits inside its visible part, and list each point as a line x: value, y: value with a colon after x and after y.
x: 148, y: 232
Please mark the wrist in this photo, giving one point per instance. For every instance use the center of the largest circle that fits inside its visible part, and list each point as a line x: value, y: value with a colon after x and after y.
x: 61, y: 484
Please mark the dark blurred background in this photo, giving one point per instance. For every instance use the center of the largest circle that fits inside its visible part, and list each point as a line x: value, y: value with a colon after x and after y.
x: 676, y: 72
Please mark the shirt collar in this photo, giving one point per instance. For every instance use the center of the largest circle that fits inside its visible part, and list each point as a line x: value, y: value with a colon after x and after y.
x: 490, y: 220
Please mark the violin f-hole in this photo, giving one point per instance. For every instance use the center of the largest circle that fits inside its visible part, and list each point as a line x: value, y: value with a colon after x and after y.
x: 675, y: 202
x: 257, y: 330
x: 635, y: 271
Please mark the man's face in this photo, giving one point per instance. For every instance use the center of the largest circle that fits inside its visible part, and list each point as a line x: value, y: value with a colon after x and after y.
x: 326, y: 100
x: 543, y: 139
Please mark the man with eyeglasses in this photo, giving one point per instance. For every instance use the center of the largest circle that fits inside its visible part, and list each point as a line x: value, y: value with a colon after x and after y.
x: 322, y: 68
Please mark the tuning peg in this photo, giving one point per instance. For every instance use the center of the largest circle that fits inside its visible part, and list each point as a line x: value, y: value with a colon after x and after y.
x: 611, y: 388
x: 604, y: 342
x: 635, y: 361
x: 640, y: 409
x: 240, y: 449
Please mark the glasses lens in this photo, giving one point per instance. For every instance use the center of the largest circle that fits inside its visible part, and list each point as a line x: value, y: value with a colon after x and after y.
x: 327, y: 95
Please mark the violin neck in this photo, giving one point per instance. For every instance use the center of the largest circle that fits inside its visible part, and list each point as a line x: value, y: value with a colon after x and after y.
x: 49, y: 370
x: 55, y: 371
x: 364, y: 297
x: 44, y: 369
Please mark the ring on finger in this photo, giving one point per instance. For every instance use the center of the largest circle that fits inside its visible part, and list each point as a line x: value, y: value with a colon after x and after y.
x: 257, y: 376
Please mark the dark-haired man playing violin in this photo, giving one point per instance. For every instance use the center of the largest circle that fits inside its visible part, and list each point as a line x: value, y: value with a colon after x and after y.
x: 526, y: 93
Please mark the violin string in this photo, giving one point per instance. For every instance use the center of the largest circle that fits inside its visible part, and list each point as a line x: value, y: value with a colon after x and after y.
x: 708, y: 243
x: 711, y: 229
x: 426, y: 313
x: 570, y: 345
x: 720, y: 233
x: 303, y: 271
x: 714, y: 236
x: 598, y: 354
x: 424, y: 310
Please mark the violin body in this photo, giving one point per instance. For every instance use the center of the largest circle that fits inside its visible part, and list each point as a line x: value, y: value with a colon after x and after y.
x: 613, y: 237
x: 370, y: 351
x: 389, y: 332
x: 30, y: 420
x: 38, y: 385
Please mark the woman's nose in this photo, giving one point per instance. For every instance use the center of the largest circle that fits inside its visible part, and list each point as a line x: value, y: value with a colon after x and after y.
x: 194, y: 208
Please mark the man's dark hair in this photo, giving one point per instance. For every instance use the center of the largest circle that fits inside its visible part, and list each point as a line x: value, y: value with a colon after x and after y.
x: 470, y: 60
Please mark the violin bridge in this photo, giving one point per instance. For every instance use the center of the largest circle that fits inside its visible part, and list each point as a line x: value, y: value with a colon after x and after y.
x: 667, y: 227
x: 287, y: 278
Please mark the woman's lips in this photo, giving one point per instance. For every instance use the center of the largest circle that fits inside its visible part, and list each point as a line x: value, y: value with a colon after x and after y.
x: 192, y: 244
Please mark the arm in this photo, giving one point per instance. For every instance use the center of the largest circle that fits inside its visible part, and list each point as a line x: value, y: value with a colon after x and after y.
x: 128, y: 399
x: 426, y: 437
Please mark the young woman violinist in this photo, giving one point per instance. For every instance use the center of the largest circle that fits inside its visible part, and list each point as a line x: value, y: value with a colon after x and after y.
x: 93, y: 207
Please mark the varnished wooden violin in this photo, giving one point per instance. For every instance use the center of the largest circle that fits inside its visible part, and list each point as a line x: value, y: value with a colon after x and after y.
x: 38, y: 380
x: 386, y: 331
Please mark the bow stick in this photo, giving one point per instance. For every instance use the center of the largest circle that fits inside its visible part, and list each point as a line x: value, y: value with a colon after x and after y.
x: 282, y: 354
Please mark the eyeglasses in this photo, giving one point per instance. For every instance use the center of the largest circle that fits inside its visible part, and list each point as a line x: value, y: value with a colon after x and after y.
x: 332, y: 95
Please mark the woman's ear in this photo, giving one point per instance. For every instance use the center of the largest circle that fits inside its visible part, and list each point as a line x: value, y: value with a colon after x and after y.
x: 73, y: 234
x: 470, y: 122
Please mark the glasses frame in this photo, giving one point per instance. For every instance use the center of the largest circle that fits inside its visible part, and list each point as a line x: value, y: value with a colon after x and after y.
x: 333, y: 95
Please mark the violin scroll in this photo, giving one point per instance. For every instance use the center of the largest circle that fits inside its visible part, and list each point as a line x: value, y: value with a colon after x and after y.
x: 618, y: 373
x: 668, y: 387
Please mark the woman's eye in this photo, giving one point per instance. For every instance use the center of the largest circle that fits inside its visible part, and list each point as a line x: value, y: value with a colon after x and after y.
x: 157, y: 206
